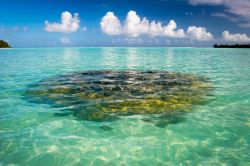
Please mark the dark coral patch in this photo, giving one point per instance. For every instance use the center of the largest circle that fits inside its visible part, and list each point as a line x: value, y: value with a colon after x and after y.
x: 107, y: 94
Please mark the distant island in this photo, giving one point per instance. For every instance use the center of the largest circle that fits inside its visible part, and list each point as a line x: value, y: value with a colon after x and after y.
x: 4, y: 44
x: 232, y: 46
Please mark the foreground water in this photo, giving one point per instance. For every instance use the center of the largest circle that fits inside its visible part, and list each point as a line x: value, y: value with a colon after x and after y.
x: 215, y: 132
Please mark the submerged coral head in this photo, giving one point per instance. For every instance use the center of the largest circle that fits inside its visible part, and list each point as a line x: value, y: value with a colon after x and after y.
x: 108, y: 94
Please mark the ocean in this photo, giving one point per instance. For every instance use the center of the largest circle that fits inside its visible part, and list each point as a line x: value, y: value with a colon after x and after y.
x: 212, y: 132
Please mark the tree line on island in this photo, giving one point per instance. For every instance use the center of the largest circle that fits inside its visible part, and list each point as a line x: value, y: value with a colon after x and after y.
x: 232, y: 46
x: 4, y: 44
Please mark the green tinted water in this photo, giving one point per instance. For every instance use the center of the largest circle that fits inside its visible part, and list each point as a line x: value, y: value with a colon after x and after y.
x: 213, y: 133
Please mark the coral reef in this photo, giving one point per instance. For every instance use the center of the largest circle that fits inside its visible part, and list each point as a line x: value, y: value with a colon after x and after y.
x: 107, y: 94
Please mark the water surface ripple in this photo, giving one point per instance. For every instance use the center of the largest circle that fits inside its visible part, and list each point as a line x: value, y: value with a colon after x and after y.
x: 212, y: 133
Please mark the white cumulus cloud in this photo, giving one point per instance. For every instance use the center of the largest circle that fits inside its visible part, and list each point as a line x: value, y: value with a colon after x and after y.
x: 199, y: 33
x: 110, y: 24
x: 156, y: 29
x: 170, y: 31
x: 69, y: 23
x: 239, y: 38
x: 134, y: 26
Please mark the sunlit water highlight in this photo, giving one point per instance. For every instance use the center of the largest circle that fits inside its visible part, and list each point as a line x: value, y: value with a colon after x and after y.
x: 213, y: 133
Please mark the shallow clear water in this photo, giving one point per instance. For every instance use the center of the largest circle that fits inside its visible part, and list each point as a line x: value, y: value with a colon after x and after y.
x: 214, y: 133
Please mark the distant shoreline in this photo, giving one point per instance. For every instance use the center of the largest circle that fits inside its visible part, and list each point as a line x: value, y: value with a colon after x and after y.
x: 4, y: 44
x: 78, y: 47
x: 232, y: 46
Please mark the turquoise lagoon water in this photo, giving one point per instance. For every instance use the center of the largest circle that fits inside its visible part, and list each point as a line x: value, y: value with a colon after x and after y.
x: 213, y: 133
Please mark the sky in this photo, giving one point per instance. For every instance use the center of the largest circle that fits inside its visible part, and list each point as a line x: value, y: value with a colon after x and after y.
x: 83, y: 23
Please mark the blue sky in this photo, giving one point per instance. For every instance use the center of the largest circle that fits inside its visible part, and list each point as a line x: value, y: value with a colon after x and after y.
x: 122, y: 22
